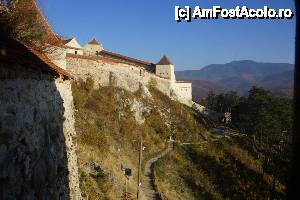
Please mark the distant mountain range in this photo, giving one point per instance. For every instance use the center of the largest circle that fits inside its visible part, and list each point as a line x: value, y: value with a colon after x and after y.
x: 240, y: 76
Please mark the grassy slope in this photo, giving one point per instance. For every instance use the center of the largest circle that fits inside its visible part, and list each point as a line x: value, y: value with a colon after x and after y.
x: 213, y: 170
x: 109, y: 135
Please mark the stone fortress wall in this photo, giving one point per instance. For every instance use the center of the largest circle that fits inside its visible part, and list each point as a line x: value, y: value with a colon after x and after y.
x: 107, y: 68
x: 126, y: 76
x: 37, y: 151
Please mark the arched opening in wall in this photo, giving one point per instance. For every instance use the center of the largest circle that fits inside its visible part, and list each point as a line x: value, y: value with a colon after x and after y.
x: 75, y: 52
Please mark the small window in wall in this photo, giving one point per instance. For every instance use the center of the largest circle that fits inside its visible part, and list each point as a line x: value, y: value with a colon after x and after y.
x: 75, y: 52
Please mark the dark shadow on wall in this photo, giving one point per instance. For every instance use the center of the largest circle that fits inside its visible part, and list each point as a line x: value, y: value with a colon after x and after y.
x: 33, y: 158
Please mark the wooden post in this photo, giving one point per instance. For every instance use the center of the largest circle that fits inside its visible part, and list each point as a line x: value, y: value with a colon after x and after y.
x: 139, y: 171
x: 126, y: 190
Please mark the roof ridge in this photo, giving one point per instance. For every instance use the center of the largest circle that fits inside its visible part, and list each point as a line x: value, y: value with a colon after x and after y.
x: 164, y: 61
x: 131, y: 59
x: 94, y: 41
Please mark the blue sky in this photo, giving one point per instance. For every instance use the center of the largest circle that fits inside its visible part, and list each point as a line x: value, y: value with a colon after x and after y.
x: 146, y: 29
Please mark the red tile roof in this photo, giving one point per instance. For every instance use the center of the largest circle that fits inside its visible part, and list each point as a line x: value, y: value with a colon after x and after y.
x: 28, y: 57
x: 94, y: 41
x: 94, y: 58
x: 164, y: 61
x: 125, y: 58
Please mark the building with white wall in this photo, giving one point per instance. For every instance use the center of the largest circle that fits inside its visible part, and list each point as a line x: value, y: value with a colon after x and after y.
x: 182, y: 90
x: 73, y: 46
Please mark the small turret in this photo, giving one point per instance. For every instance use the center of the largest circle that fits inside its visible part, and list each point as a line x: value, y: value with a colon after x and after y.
x: 94, y: 42
x: 165, y: 69
x: 164, y: 61
x: 92, y: 48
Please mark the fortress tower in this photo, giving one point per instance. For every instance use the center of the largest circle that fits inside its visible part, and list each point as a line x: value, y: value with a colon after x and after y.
x: 165, y: 69
x: 92, y: 48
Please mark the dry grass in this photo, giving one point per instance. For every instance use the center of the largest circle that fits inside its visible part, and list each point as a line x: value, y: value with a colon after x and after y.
x: 109, y: 135
x: 213, y: 170
x: 244, y: 156
x: 185, y: 180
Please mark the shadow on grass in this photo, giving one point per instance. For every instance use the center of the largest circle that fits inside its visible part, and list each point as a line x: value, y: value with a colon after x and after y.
x: 199, y: 192
x: 231, y: 177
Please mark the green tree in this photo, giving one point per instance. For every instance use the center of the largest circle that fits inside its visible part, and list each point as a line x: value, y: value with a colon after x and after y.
x: 222, y: 102
x: 268, y: 118
x: 211, y: 100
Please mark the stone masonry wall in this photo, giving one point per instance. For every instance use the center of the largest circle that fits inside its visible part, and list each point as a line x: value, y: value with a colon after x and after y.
x: 37, y: 152
x: 184, y: 92
x: 64, y: 88
x: 122, y: 75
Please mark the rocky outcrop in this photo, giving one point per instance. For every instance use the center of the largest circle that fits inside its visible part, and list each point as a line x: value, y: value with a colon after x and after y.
x: 203, y: 110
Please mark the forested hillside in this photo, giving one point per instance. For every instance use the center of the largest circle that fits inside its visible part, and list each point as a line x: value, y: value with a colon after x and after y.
x: 240, y: 76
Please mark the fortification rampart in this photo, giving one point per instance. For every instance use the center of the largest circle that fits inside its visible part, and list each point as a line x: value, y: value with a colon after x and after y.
x: 107, y: 72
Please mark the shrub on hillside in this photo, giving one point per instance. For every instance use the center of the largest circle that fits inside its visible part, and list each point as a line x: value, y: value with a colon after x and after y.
x: 155, y: 121
x: 78, y: 96
x: 93, y: 137
x: 152, y: 83
x: 89, y: 84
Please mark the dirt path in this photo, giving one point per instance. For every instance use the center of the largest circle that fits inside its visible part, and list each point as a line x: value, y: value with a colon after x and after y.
x: 148, y: 183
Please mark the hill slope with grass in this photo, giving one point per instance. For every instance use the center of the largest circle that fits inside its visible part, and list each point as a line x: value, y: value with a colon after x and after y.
x: 109, y: 124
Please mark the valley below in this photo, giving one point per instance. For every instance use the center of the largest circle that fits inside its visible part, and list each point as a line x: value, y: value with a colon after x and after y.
x: 240, y: 76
